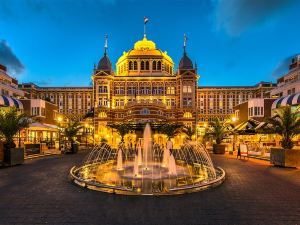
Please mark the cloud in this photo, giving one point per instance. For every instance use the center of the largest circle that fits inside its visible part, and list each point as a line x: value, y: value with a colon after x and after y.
x: 9, y: 59
x: 283, y: 66
x: 235, y: 16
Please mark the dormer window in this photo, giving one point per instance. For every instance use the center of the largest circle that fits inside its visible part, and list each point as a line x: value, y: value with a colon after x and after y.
x: 159, y: 65
x: 147, y: 65
x: 135, y: 65
x: 130, y: 65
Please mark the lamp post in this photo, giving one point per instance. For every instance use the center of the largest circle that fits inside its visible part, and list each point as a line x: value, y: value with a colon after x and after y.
x: 233, y: 119
x: 86, y: 133
x: 59, y: 119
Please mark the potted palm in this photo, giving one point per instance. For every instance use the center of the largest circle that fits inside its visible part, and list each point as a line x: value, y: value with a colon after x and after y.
x: 70, y: 131
x: 122, y: 129
x: 171, y: 130
x: 11, y: 123
x: 218, y: 130
x: 189, y: 132
x: 285, y: 123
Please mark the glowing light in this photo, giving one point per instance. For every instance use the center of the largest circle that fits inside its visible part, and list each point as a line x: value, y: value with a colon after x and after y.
x: 59, y: 119
x: 233, y: 119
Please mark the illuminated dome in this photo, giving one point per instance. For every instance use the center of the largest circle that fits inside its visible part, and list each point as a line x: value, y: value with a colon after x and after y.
x: 145, y: 59
x: 144, y: 44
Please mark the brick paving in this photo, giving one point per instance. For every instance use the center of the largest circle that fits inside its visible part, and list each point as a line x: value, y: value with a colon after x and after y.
x: 39, y: 192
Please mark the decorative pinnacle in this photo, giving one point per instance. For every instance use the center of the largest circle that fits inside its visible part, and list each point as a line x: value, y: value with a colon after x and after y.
x: 105, y: 43
x: 184, y: 42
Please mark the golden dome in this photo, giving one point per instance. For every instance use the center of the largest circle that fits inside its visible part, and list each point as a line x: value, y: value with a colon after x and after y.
x: 144, y: 51
x: 144, y: 44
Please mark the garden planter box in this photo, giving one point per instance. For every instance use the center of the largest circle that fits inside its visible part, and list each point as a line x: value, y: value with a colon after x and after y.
x: 219, y: 149
x: 15, y: 156
x: 285, y: 157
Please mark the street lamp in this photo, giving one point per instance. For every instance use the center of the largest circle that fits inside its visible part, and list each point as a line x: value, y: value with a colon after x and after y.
x: 86, y: 133
x: 59, y: 119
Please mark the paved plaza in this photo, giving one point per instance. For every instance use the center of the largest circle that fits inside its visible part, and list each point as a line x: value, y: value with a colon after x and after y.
x: 39, y: 192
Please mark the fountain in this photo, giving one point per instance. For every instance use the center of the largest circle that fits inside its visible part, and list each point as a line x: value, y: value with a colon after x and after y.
x: 149, y: 170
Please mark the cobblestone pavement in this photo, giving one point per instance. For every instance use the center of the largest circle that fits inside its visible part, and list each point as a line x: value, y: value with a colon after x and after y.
x: 39, y: 192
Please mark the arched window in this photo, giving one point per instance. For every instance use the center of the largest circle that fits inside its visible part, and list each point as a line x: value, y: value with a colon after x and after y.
x: 145, y: 111
x: 135, y: 65
x: 154, y: 65
x: 102, y: 115
x: 170, y: 69
x: 187, y: 115
x: 159, y: 65
x: 130, y: 65
x: 147, y: 65
x: 142, y: 65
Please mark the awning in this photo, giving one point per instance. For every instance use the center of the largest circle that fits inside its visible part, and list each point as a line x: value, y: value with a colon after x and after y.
x: 42, y: 127
x: 293, y: 99
x: 247, y: 127
x: 10, y: 102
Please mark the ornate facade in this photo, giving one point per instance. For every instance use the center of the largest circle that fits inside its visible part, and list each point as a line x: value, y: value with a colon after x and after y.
x: 146, y: 87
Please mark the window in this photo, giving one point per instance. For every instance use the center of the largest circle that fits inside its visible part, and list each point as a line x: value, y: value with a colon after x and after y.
x: 145, y: 111
x: 102, y: 115
x: 142, y: 65
x: 130, y: 65
x: 147, y: 65
x: 131, y: 90
x: 135, y: 65
x: 119, y: 91
x: 187, y: 115
x: 187, y: 102
x: 159, y: 65
x: 170, y: 90
x: 154, y: 65
x: 187, y: 89
x: 102, y: 89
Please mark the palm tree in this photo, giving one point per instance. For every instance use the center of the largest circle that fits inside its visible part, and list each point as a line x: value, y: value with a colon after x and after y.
x: 285, y: 123
x: 71, y: 130
x: 189, y: 131
x: 122, y: 129
x: 11, y: 122
x: 170, y: 129
x: 219, y: 130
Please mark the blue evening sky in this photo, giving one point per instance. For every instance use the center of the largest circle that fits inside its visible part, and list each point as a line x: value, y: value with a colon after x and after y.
x: 234, y: 42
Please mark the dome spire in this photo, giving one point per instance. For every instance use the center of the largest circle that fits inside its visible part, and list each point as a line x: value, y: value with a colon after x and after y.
x: 184, y: 43
x: 105, y: 44
x: 145, y: 22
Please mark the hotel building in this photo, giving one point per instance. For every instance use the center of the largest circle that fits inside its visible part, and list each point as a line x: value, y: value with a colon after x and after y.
x: 146, y: 87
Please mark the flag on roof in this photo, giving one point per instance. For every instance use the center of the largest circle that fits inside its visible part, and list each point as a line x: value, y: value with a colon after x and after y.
x: 146, y: 19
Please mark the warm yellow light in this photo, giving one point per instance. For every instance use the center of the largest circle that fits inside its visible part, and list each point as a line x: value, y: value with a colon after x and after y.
x: 205, y: 125
x: 59, y: 119
x: 233, y: 119
x: 107, y: 136
x: 96, y: 135
x: 86, y: 125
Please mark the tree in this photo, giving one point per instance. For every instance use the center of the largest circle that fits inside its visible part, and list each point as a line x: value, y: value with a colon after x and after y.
x: 71, y: 130
x: 189, y: 131
x: 219, y: 130
x: 170, y: 129
x: 11, y: 122
x: 122, y: 129
x: 285, y: 123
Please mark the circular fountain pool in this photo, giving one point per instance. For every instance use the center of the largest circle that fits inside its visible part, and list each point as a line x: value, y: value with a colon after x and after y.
x: 148, y: 170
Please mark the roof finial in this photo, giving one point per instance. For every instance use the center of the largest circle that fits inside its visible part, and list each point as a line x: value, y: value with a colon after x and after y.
x: 105, y: 44
x: 145, y: 22
x: 184, y: 43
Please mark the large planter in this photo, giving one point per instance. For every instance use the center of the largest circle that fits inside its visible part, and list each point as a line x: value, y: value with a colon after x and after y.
x: 219, y: 149
x: 14, y: 156
x: 285, y: 157
x: 74, y: 148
